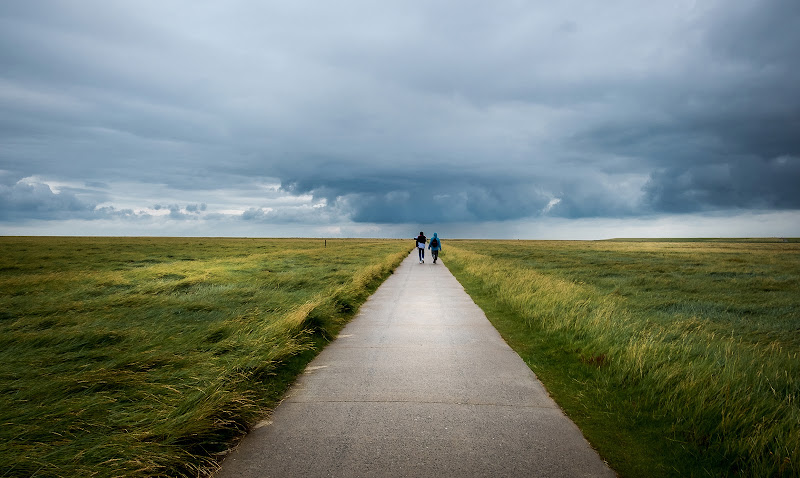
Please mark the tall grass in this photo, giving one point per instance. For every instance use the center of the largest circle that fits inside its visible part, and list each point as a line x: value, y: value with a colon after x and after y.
x: 147, y: 357
x: 705, y: 335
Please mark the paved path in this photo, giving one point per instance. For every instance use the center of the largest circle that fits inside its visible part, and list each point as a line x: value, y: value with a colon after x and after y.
x: 418, y: 384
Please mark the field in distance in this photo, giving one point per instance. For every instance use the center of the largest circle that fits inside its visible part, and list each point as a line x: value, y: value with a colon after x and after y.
x: 147, y: 356
x: 676, y: 358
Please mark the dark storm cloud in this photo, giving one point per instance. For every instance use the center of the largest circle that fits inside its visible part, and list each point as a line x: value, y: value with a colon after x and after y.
x: 715, y: 128
x: 419, y: 194
x: 724, y: 132
x: 451, y: 203
x: 749, y: 183
x: 431, y: 111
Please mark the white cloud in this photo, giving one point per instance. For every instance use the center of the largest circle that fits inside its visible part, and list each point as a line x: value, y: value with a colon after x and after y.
x: 553, y: 202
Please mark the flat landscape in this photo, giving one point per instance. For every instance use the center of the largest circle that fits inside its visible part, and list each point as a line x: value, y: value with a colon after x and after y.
x: 150, y: 356
x: 147, y: 356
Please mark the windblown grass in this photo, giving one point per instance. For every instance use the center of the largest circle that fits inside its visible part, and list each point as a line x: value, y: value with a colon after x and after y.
x: 148, y: 356
x: 699, y: 339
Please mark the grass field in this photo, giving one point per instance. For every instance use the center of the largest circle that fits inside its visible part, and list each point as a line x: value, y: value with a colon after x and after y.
x: 148, y: 356
x: 674, y: 358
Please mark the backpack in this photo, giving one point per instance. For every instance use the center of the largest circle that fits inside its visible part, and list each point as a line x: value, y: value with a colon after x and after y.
x: 434, y: 242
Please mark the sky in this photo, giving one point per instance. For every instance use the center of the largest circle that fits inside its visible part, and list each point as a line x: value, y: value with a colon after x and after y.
x: 355, y: 118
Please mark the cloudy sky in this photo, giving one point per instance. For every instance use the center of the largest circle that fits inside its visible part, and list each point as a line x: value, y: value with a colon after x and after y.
x: 507, y: 119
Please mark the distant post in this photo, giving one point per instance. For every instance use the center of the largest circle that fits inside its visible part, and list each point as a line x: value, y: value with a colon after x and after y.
x: 326, y: 243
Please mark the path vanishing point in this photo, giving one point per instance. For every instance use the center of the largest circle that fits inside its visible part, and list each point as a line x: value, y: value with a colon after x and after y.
x: 418, y: 384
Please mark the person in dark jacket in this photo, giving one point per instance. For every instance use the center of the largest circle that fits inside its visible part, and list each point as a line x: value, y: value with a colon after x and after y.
x: 421, y: 241
x: 435, y: 246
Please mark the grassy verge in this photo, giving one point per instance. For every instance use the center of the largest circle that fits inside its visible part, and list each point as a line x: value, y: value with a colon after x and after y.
x: 676, y: 359
x: 148, y: 356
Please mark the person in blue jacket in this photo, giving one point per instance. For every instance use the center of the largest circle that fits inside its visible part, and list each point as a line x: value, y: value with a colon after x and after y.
x: 435, y: 246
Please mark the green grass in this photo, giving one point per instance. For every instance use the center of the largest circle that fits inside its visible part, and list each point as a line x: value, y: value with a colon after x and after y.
x: 674, y: 358
x: 712, y: 239
x: 150, y: 356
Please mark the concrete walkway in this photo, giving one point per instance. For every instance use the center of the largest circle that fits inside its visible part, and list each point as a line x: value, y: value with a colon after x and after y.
x: 418, y: 384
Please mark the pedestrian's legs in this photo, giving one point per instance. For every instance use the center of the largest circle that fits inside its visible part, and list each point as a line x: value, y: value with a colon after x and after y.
x: 435, y: 256
x: 421, y: 253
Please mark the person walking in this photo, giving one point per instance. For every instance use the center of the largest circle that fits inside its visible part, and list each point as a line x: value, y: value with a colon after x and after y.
x: 435, y: 246
x: 421, y: 241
